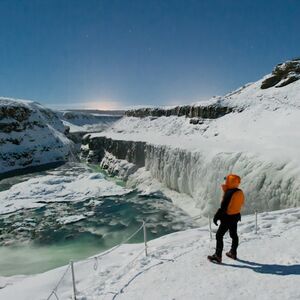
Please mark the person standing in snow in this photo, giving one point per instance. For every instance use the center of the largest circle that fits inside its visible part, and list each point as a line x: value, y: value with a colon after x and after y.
x: 228, y: 215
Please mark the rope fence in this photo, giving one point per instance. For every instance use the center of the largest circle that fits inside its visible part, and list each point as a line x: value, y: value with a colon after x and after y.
x: 143, y: 227
x: 54, y: 291
x: 96, y: 262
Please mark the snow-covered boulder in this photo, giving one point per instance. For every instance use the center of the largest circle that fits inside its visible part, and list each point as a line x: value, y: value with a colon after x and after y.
x: 30, y: 135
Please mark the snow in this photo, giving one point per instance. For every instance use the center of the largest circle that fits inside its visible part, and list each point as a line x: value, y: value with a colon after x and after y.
x: 70, y: 219
x: 55, y: 187
x: 177, y: 268
x: 119, y: 167
x: 86, y: 122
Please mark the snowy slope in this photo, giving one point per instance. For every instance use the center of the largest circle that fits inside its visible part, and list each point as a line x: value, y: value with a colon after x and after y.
x: 260, y: 141
x: 30, y: 135
x: 86, y: 122
x: 176, y: 268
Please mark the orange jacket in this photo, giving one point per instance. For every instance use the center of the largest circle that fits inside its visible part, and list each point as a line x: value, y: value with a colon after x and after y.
x: 237, y: 199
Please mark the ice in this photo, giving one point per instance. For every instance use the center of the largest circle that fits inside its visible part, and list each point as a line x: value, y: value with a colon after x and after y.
x: 55, y: 187
x: 70, y: 219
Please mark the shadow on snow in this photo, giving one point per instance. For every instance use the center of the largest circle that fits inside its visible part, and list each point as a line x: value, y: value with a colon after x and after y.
x: 267, y: 268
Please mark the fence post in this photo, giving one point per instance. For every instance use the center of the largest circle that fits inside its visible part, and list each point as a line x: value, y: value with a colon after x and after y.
x: 209, y: 227
x: 255, y: 222
x: 73, y: 279
x: 145, y: 237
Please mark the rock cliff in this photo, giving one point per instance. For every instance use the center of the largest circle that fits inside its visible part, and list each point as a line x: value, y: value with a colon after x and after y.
x: 30, y: 135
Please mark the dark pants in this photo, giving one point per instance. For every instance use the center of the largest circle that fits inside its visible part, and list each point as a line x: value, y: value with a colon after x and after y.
x: 231, y: 225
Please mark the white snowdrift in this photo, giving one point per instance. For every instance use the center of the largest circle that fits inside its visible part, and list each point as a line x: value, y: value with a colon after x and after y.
x: 177, y: 268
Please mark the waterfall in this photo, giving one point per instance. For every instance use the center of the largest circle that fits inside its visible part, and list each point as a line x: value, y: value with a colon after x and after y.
x: 268, y: 184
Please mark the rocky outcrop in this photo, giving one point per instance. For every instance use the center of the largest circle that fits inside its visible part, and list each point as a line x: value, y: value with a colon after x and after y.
x: 30, y: 135
x: 93, y: 150
x: 76, y: 137
x: 212, y: 111
x: 283, y: 74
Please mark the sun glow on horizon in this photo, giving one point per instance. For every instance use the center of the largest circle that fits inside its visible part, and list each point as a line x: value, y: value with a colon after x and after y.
x: 102, y: 105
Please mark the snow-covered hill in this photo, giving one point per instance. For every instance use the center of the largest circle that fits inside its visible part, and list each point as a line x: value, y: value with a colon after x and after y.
x: 177, y: 268
x: 259, y: 140
x: 30, y: 135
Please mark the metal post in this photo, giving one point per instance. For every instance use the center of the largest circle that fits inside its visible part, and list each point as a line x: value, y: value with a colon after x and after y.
x: 73, y: 279
x: 145, y: 237
x: 209, y: 226
x: 255, y: 222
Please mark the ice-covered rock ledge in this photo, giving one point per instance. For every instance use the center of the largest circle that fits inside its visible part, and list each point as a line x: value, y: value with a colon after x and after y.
x: 210, y: 111
x: 30, y: 135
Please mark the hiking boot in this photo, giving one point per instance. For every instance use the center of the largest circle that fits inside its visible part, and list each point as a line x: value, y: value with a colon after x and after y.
x: 214, y: 258
x: 231, y: 255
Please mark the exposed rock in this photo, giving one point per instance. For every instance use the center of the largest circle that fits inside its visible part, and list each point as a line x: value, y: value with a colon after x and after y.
x: 289, y: 80
x: 196, y: 121
x: 283, y: 74
x: 133, y: 152
x: 270, y: 81
x: 76, y: 137
x: 213, y: 111
x: 14, y: 112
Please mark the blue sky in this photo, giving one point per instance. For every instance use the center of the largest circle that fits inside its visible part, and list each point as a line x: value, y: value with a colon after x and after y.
x: 116, y: 54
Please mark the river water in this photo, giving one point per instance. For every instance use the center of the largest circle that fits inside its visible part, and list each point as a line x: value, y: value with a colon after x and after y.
x: 37, y: 239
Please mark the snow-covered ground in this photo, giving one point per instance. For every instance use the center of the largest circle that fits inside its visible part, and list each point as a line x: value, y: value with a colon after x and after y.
x: 177, y: 268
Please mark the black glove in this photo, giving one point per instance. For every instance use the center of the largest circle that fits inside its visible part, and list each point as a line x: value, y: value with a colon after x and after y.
x: 215, y: 220
x: 217, y: 216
